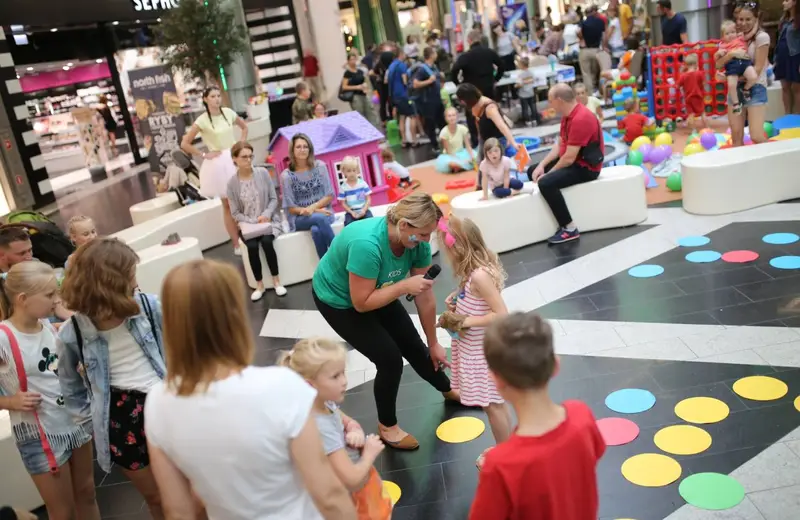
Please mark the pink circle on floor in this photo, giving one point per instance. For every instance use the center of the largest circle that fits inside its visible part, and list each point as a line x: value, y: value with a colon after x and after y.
x: 617, y: 431
x: 739, y: 257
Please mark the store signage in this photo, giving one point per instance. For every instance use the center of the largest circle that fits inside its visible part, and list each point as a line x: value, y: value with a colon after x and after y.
x: 410, y: 4
x: 154, y: 5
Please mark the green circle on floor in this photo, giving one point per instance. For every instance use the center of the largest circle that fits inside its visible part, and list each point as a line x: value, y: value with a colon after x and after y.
x: 711, y: 491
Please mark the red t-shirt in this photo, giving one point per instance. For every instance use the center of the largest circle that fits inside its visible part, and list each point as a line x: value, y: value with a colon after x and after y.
x: 310, y: 66
x: 579, y: 128
x: 633, y: 124
x: 692, y: 84
x: 546, y: 477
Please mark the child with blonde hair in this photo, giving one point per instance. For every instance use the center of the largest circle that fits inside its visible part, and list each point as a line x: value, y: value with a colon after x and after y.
x: 739, y: 65
x: 457, y: 151
x: 321, y: 362
x: 56, y: 450
x: 81, y: 230
x: 471, y: 308
x: 496, y: 172
x: 354, y: 192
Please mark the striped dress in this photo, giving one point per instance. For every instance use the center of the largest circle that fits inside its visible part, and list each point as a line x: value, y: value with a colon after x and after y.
x: 470, y: 373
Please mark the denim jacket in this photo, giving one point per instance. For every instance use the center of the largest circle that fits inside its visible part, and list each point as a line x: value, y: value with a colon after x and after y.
x: 792, y: 37
x: 87, y: 392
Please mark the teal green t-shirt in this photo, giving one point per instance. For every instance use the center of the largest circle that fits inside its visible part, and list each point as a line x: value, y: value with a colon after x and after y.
x: 362, y: 248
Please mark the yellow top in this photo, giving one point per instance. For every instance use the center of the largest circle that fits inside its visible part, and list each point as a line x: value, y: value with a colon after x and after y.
x: 219, y: 135
x: 593, y: 104
x: 625, y: 18
x: 455, y: 141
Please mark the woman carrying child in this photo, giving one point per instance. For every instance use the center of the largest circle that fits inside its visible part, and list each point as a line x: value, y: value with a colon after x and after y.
x: 56, y: 449
x: 458, y: 155
x: 495, y: 169
x: 352, y: 454
x: 472, y: 308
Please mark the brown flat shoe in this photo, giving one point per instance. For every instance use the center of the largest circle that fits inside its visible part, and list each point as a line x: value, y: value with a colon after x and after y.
x: 406, y: 443
x: 452, y: 395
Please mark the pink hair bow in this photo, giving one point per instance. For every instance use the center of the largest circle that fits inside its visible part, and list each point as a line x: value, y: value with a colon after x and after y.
x: 449, y: 240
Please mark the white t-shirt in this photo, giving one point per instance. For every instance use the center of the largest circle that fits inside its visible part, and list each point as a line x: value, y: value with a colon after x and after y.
x: 615, y: 41
x: 571, y: 34
x: 128, y: 364
x: 232, y: 443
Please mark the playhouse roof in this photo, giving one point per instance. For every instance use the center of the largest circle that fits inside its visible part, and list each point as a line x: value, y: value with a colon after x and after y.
x: 333, y: 133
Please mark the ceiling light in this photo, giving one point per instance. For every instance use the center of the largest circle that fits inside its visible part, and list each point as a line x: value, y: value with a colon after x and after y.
x: 114, y: 23
x: 70, y: 64
x: 54, y: 29
x: 30, y: 69
x: 138, y: 21
x: 17, y: 76
x: 65, y: 67
x: 158, y: 20
x: 99, y: 60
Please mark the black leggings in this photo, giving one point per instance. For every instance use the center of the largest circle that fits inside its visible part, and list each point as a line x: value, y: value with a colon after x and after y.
x: 551, y: 185
x: 385, y: 336
x: 433, y: 118
x: 255, y: 259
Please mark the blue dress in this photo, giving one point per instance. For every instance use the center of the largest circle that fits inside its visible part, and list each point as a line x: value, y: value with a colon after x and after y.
x: 786, y: 67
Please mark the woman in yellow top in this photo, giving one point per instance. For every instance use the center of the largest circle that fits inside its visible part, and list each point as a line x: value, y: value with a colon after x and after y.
x: 216, y: 129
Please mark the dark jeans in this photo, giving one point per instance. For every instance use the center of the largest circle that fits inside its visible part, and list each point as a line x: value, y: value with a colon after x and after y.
x: 321, y: 230
x: 433, y: 117
x: 385, y: 336
x: 348, y: 218
x: 501, y: 192
x: 551, y: 185
x: 265, y: 241
x: 385, y: 105
x: 529, y: 111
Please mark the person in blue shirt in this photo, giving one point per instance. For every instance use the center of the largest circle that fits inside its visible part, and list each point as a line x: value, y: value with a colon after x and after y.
x: 592, y: 58
x: 354, y: 193
x: 427, y: 82
x: 397, y: 78
x: 673, y: 25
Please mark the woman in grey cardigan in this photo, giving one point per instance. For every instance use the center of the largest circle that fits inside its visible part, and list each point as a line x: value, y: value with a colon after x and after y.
x: 252, y: 198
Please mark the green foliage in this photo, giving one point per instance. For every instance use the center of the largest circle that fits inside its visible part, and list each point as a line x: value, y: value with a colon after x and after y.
x: 199, y: 36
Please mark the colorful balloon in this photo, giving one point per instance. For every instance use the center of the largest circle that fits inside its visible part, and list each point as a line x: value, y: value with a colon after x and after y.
x: 666, y: 150
x: 639, y: 141
x: 692, y: 148
x: 708, y: 140
x: 635, y: 158
x: 674, y: 181
x: 646, y: 149
x: 662, y: 139
x: 768, y: 129
x: 706, y: 131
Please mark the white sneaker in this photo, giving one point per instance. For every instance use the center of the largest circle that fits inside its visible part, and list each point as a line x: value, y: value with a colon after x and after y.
x: 237, y: 251
x: 257, y: 295
x: 280, y: 290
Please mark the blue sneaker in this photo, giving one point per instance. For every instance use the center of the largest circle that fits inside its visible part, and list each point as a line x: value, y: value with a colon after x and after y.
x: 564, y: 235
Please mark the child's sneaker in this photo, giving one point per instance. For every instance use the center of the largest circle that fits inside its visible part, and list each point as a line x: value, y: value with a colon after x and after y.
x: 564, y: 235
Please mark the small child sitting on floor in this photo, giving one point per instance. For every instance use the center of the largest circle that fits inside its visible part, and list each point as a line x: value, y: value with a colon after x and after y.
x: 354, y: 193
x: 633, y: 124
x: 739, y: 65
x: 389, y: 163
x: 458, y: 155
x: 496, y: 172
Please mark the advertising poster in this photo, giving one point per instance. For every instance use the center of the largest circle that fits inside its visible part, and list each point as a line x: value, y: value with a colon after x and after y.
x: 158, y: 110
x: 515, y: 20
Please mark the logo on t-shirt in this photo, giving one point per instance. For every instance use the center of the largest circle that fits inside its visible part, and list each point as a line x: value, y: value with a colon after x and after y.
x: 49, y: 361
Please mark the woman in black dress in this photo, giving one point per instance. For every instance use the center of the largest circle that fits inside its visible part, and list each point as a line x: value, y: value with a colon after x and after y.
x: 110, y: 122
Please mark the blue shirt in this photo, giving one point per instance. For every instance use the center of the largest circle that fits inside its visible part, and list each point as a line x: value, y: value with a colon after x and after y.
x: 672, y: 28
x: 592, y: 29
x: 430, y: 94
x: 397, y: 89
x: 354, y: 196
x: 302, y: 189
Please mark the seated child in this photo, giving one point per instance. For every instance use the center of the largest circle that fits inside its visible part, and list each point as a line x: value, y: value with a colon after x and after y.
x: 495, y: 171
x: 389, y: 163
x: 527, y: 93
x: 457, y: 151
x: 591, y: 102
x: 319, y: 111
x: 633, y: 124
x: 691, y: 84
x: 81, y: 231
x: 547, y: 468
x: 740, y: 65
x: 354, y: 193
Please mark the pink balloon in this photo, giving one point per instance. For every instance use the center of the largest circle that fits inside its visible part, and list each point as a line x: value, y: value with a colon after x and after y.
x: 646, y: 149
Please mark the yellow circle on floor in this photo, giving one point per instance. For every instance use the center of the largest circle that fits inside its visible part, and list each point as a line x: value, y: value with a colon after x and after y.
x: 797, y: 403
x: 393, y: 490
x: 682, y: 439
x: 760, y: 388
x: 702, y: 410
x: 651, y: 470
x: 460, y: 429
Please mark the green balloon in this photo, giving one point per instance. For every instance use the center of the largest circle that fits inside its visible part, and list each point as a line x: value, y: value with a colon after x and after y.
x: 635, y: 158
x: 768, y: 129
x: 674, y: 182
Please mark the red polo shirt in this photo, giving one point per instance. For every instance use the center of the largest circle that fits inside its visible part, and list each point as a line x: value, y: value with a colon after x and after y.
x: 579, y: 128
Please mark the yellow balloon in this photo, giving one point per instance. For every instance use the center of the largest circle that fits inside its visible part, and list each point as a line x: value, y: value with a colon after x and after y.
x: 693, y: 148
x: 639, y: 141
x: 662, y: 139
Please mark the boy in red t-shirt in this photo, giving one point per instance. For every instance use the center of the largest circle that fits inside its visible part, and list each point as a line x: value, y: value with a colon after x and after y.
x: 547, y: 468
x: 633, y: 124
x: 691, y: 83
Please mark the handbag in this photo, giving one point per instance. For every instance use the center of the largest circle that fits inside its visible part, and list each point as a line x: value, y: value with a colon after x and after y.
x: 346, y: 95
x: 249, y: 231
x: 23, y: 387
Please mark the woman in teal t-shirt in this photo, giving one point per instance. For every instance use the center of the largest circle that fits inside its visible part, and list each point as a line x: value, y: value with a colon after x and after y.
x: 356, y: 289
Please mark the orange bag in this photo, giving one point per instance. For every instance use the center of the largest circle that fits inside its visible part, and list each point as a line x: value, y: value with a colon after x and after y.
x: 523, y: 158
x: 372, y: 502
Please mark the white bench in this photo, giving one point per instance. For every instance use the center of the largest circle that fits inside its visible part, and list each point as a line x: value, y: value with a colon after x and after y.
x: 156, y: 261
x: 16, y: 486
x: 150, y: 209
x: 616, y: 199
x: 736, y: 179
x: 297, y: 256
x: 202, y: 219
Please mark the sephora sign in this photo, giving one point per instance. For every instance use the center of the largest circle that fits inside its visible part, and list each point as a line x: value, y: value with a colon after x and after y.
x: 154, y: 5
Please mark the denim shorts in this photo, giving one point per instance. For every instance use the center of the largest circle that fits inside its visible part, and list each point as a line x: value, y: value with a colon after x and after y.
x: 758, y: 95
x: 34, y: 459
x: 737, y: 66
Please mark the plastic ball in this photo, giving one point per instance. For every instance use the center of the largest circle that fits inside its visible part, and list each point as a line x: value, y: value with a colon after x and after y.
x: 708, y: 140
x: 662, y: 139
x: 646, y: 149
x: 635, y: 158
x: 748, y: 140
x: 440, y: 198
x: 376, y: 100
x: 674, y: 182
x: 769, y: 129
x: 625, y: 75
x: 639, y: 141
x: 693, y: 148
x: 666, y: 150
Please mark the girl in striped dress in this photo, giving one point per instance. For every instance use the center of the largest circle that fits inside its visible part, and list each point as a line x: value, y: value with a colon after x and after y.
x: 471, y: 309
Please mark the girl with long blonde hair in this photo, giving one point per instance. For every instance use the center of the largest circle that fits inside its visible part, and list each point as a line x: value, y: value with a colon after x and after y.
x: 470, y: 309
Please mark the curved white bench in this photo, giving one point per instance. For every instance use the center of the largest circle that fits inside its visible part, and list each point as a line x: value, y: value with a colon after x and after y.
x: 201, y: 219
x: 297, y: 257
x: 156, y: 261
x: 616, y: 199
x: 150, y: 209
x: 736, y: 179
x: 16, y: 486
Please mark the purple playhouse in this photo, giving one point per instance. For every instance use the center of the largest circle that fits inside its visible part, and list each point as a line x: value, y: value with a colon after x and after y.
x: 333, y: 138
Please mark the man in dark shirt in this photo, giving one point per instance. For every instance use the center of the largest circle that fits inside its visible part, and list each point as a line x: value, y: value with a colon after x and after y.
x: 480, y: 66
x: 673, y: 25
x: 385, y: 56
x: 427, y: 82
x: 592, y: 58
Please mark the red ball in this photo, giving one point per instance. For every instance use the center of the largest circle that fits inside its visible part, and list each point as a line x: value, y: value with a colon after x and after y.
x: 625, y: 76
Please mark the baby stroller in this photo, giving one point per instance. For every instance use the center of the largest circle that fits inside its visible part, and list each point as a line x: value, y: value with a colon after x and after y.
x: 181, y: 176
x: 50, y: 244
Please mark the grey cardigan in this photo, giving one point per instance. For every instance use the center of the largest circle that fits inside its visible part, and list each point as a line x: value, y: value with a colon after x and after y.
x: 267, y: 199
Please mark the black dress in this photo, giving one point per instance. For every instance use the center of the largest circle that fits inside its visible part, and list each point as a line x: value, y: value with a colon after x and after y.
x: 108, y: 117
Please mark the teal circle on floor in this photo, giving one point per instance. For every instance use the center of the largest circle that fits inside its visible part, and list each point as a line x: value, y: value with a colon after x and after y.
x: 781, y: 238
x: 785, y: 262
x: 630, y: 400
x: 713, y: 491
x: 703, y: 257
x: 645, y: 271
x: 693, y: 241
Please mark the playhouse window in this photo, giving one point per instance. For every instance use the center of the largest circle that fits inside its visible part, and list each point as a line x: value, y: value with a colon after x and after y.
x: 340, y: 176
x: 375, y: 170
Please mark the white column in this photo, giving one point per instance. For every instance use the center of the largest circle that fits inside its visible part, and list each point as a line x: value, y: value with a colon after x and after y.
x: 303, y: 25
x: 325, y: 25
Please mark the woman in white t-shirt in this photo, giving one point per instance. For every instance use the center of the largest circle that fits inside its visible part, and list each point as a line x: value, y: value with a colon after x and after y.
x: 216, y: 129
x: 571, y: 39
x: 614, y: 36
x: 243, y: 438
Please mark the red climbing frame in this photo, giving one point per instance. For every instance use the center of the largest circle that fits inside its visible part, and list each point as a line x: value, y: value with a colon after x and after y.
x: 666, y: 62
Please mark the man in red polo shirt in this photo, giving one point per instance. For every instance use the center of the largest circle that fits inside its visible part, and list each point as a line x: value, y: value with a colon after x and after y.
x: 578, y: 158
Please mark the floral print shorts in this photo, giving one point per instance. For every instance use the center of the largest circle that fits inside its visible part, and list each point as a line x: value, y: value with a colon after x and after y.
x: 126, y: 438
